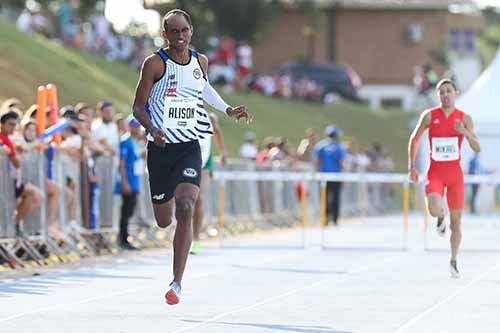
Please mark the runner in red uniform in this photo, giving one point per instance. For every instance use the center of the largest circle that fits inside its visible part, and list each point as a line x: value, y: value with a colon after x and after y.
x: 447, y: 128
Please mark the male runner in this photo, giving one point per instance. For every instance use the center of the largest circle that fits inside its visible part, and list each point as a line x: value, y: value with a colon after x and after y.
x: 447, y: 127
x: 169, y: 104
x: 207, y: 165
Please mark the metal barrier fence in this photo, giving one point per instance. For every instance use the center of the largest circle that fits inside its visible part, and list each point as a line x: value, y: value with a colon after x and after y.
x: 242, y: 196
x: 7, y: 204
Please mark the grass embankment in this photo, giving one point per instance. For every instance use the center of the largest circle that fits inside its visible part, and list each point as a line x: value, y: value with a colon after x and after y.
x: 29, y: 61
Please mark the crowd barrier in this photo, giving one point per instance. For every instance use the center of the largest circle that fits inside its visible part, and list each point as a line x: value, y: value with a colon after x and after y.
x: 242, y: 196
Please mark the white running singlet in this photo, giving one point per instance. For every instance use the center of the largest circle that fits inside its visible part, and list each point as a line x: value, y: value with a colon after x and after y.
x: 175, y: 103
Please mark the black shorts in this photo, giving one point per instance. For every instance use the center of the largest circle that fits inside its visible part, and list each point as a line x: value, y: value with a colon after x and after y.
x: 172, y: 165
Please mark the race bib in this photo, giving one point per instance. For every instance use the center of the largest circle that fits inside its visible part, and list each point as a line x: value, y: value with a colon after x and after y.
x: 180, y: 113
x: 445, y: 149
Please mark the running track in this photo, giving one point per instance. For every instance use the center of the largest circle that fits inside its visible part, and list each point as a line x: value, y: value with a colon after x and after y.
x: 363, y: 282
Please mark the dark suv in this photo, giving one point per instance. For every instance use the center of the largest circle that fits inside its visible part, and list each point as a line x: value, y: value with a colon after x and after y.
x: 333, y: 78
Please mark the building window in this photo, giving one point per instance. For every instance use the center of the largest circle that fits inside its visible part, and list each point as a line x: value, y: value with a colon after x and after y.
x: 415, y: 33
x: 462, y: 41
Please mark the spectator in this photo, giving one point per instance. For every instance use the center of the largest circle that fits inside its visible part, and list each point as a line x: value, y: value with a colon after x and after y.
x: 71, y: 146
x: 11, y: 103
x: 245, y: 64
x: 248, y: 149
x: 24, y: 22
x: 474, y: 170
x: 29, y: 197
x: 67, y: 21
x: 128, y: 184
x: 280, y: 151
x: 267, y: 145
x: 101, y: 28
x: 104, y: 130
x: 28, y: 143
x: 121, y: 124
x: 306, y: 146
x: 351, y: 157
x: 330, y: 157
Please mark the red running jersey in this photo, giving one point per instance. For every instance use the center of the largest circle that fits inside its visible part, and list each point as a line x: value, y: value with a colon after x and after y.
x: 444, y: 141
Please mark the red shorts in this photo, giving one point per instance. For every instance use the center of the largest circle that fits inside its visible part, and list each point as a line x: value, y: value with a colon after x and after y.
x: 451, y: 178
x: 244, y: 71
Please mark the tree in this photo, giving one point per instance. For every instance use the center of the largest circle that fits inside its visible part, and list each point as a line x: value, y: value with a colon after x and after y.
x: 489, y: 39
x: 242, y: 19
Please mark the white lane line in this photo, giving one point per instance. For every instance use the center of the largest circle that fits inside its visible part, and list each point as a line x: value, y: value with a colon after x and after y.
x: 87, y: 300
x: 98, y: 298
x: 129, y: 291
x: 288, y: 293
x: 418, y: 317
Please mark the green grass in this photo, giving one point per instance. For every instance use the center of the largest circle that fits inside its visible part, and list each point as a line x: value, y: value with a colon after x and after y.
x: 29, y: 61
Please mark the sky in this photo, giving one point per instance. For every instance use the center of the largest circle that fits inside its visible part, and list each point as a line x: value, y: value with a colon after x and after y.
x: 121, y: 12
x: 488, y: 2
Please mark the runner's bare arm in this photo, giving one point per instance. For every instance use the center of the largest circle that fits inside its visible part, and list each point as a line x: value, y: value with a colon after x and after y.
x: 466, y: 127
x: 219, y: 138
x: 211, y: 96
x: 423, y: 124
x: 151, y: 70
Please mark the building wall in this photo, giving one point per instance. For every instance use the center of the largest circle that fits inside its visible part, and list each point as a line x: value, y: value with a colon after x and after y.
x: 376, y: 45
x: 286, y: 39
x: 373, y: 42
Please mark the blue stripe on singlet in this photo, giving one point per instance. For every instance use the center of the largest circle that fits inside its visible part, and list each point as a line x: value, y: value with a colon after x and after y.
x: 167, y: 138
x: 188, y: 93
x: 163, y: 55
x: 156, y: 116
x: 175, y: 136
x: 203, y: 131
x: 193, y: 90
x: 203, y: 123
x: 181, y: 132
x: 180, y: 93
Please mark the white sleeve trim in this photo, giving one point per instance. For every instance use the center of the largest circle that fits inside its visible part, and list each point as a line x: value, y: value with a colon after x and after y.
x: 212, y: 97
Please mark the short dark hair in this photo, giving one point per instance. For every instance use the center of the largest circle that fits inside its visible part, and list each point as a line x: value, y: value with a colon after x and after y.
x: 176, y: 12
x: 446, y: 81
x: 9, y: 115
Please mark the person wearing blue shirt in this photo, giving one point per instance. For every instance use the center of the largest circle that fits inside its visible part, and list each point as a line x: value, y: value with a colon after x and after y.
x: 329, y: 157
x: 474, y: 169
x: 128, y: 182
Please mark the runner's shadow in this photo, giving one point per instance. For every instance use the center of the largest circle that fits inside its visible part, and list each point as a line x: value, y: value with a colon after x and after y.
x: 364, y: 249
x: 278, y: 327
x: 290, y: 270
x: 263, y: 247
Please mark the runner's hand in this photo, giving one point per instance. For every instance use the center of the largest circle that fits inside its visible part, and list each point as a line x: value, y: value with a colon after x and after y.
x: 240, y: 112
x: 413, y: 173
x: 223, y: 159
x: 459, y: 126
x: 158, y: 136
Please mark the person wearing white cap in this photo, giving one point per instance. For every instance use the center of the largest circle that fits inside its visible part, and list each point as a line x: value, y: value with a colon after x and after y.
x: 248, y: 149
x: 329, y: 156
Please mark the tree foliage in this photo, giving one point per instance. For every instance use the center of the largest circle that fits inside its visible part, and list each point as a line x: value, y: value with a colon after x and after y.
x: 489, y: 39
x: 240, y: 19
